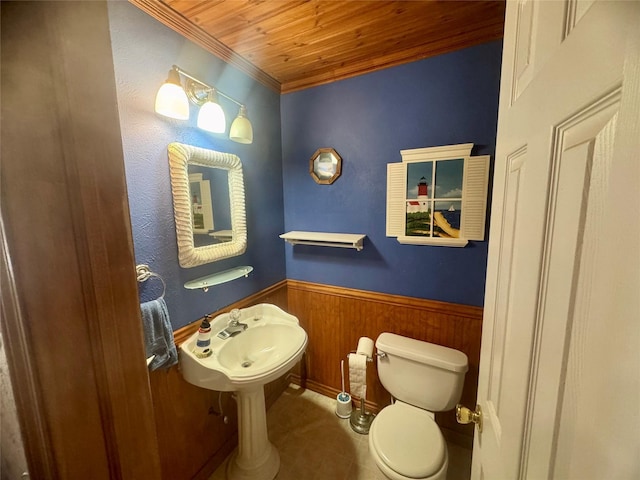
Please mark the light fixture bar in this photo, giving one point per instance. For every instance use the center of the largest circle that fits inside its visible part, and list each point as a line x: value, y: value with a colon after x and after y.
x: 209, y: 87
x: 172, y: 100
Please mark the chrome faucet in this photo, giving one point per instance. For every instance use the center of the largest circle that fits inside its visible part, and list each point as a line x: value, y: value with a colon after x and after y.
x: 234, y: 326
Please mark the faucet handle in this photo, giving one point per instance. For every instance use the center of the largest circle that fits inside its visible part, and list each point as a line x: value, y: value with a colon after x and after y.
x: 235, y: 315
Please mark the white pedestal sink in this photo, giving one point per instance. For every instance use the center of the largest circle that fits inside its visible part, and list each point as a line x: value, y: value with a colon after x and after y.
x: 271, y: 345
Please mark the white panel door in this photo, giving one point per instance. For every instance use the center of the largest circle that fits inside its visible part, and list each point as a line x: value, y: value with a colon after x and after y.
x: 559, y: 369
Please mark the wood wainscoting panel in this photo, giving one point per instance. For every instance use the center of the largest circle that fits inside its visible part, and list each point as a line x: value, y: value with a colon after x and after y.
x: 190, y: 427
x: 335, y: 318
x: 193, y: 438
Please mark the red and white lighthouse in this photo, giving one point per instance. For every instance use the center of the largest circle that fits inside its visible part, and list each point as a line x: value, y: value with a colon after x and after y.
x: 423, y: 189
x: 420, y: 204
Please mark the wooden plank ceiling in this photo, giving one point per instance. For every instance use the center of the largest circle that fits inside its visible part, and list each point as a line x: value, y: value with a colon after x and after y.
x: 293, y: 45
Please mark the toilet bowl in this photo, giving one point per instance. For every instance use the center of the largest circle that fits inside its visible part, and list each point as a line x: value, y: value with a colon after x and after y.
x: 406, y: 443
x: 404, y: 439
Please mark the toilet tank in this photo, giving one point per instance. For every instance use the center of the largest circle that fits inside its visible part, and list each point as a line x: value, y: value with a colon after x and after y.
x: 419, y: 373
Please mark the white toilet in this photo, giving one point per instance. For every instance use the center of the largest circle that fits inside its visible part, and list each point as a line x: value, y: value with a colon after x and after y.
x: 423, y: 378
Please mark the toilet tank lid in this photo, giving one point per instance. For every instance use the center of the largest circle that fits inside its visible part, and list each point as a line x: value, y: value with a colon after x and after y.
x: 423, y: 352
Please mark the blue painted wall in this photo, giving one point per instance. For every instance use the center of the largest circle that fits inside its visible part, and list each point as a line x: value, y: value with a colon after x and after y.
x: 448, y: 99
x: 442, y: 100
x: 144, y: 50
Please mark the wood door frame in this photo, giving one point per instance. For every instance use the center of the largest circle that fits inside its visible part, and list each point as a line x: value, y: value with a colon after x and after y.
x: 35, y: 434
x: 74, y: 334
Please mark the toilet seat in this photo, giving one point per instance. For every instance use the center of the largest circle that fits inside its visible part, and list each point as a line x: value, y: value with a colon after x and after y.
x: 406, y: 443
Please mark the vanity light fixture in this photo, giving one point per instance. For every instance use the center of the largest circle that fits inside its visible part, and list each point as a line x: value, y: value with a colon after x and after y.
x: 241, y: 130
x: 173, y: 99
x: 211, y: 116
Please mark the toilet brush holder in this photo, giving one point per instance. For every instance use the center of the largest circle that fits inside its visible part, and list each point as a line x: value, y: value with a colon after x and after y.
x: 360, y: 420
x: 343, y: 405
x: 343, y: 401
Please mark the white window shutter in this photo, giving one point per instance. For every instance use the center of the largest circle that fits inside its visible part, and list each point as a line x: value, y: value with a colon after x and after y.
x: 474, y: 201
x: 396, y: 198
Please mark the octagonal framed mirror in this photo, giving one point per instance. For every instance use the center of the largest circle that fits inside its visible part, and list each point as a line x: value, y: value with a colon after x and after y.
x: 325, y: 166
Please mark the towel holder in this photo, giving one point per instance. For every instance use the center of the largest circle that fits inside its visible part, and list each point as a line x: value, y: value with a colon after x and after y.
x: 144, y: 273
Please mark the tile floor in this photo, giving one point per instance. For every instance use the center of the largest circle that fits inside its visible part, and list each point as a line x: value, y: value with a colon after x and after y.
x: 315, y: 444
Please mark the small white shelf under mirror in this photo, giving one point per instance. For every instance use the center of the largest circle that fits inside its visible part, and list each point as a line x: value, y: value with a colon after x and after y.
x: 218, y: 278
x: 324, y: 239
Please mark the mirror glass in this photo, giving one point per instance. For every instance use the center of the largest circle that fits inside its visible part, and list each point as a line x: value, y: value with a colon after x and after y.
x: 210, y: 207
x: 208, y: 204
x: 325, y: 166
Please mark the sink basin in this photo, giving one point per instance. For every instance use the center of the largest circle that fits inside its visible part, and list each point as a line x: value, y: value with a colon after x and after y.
x: 270, y: 346
x: 261, y: 348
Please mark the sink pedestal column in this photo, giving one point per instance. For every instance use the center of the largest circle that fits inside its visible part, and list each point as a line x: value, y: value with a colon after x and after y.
x: 256, y: 458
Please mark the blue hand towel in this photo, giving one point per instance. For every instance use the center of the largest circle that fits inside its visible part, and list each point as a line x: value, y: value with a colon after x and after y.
x: 158, y: 334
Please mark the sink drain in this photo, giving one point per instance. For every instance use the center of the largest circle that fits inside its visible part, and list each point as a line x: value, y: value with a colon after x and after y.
x: 246, y: 364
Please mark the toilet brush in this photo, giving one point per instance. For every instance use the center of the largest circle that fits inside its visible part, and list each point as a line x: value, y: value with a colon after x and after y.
x: 343, y: 404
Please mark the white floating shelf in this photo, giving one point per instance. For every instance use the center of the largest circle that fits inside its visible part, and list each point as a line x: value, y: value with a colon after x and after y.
x: 218, y: 278
x: 323, y: 239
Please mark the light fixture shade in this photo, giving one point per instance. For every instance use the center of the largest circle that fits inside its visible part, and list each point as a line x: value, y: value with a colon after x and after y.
x: 211, y: 116
x: 171, y: 100
x: 241, y: 130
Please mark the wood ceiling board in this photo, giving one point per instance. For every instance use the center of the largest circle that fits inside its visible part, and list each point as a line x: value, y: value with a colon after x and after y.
x: 315, y: 35
x: 385, y: 58
x: 184, y: 27
x: 282, y: 29
x: 228, y: 18
x: 290, y: 45
x: 334, y: 73
x: 334, y: 19
x: 353, y: 48
x: 360, y: 43
x: 325, y: 20
x: 193, y: 9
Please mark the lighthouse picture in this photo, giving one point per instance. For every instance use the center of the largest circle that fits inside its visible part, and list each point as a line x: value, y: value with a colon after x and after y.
x: 434, y: 198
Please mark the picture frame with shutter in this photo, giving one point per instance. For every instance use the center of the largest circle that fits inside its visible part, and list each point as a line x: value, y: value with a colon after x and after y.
x: 438, y: 196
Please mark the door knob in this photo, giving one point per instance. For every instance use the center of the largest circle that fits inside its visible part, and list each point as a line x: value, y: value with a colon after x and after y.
x: 464, y: 416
